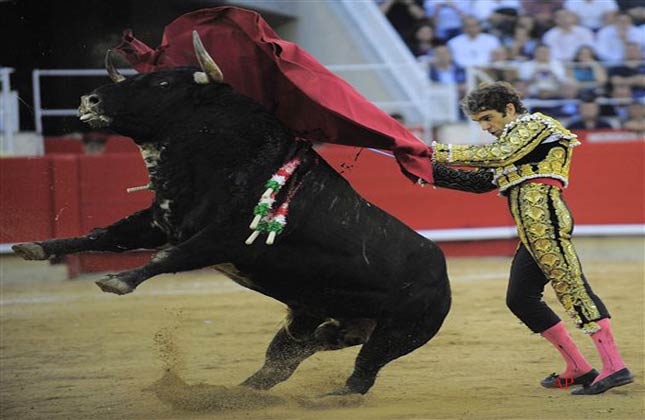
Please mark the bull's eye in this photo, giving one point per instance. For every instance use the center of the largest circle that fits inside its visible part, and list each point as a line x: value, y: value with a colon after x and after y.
x: 164, y: 84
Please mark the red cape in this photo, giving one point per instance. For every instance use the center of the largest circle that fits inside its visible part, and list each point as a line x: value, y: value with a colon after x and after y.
x: 307, y: 98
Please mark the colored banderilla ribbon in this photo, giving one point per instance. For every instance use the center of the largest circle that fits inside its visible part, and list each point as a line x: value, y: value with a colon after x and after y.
x: 266, y: 219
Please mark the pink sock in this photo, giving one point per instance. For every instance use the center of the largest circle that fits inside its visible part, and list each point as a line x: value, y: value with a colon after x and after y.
x: 576, y: 363
x: 604, y: 341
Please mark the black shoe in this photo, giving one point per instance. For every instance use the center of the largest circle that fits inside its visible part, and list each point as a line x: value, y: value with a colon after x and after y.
x: 554, y: 380
x: 622, y: 377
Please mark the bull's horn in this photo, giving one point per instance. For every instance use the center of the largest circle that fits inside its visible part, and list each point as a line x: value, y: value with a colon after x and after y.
x: 112, y: 71
x: 206, y: 62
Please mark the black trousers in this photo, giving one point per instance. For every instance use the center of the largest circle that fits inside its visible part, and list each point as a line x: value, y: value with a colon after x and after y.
x: 546, y: 255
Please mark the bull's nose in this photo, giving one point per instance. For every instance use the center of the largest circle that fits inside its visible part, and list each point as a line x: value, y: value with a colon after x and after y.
x: 89, y: 103
x: 93, y: 99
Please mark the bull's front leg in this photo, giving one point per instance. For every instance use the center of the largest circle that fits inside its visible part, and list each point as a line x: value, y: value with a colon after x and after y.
x: 202, y: 250
x: 133, y: 232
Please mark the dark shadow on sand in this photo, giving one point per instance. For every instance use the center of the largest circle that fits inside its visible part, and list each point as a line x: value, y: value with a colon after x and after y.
x: 172, y: 390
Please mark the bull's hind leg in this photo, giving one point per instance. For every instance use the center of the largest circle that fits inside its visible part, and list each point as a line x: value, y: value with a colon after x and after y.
x: 292, y: 344
x: 390, y: 340
x: 301, y: 337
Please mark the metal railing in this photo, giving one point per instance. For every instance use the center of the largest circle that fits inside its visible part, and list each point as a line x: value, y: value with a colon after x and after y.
x: 427, y: 102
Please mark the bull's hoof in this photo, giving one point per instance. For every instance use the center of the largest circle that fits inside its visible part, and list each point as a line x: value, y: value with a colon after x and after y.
x: 113, y: 284
x: 30, y: 251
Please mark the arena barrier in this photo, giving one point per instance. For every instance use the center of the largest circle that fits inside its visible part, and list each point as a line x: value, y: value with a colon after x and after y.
x: 605, y: 196
x: 64, y: 194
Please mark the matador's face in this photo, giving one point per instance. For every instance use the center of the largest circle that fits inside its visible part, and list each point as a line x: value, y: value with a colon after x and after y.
x: 493, y: 121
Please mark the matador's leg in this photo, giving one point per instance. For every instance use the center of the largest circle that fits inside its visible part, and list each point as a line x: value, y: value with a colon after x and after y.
x: 544, y: 226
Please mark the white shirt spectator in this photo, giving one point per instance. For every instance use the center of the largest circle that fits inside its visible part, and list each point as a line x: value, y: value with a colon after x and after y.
x: 482, y: 9
x: 544, y: 75
x: 544, y: 79
x: 468, y: 51
x: 591, y: 12
x: 611, y: 47
x: 563, y: 44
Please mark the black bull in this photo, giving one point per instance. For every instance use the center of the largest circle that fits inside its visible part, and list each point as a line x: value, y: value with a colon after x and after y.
x: 350, y: 273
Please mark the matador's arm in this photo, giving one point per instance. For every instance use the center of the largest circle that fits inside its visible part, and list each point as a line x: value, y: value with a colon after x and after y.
x: 475, y: 181
x: 519, y: 138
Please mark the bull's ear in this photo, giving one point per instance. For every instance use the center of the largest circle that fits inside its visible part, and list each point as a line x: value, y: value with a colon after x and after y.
x: 206, y: 62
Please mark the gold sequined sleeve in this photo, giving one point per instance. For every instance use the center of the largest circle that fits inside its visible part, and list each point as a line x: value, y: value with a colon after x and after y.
x: 517, y: 140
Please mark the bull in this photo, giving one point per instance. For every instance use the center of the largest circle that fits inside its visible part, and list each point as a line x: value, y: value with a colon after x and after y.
x: 349, y: 273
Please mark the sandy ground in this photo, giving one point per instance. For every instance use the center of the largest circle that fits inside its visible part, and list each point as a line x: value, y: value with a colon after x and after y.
x: 176, y: 347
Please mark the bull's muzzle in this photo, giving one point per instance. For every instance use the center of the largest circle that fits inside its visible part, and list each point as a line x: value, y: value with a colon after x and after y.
x: 90, y: 111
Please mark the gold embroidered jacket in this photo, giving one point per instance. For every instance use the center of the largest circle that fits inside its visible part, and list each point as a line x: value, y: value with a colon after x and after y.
x: 532, y: 146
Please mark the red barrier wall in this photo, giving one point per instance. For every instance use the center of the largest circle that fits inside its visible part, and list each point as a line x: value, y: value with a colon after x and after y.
x: 606, y: 188
x: 62, y: 195
x: 104, y: 200
x: 61, y: 145
x: 26, y: 212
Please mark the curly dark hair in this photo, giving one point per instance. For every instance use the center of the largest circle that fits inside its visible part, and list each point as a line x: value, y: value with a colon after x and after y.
x: 492, y: 96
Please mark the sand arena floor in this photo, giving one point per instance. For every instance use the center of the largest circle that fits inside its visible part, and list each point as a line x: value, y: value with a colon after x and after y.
x: 176, y: 348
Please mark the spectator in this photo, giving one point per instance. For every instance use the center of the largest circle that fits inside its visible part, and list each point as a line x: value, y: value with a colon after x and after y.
x: 502, y: 68
x: 422, y: 41
x: 569, y: 107
x: 635, y: 118
x: 541, y: 13
x: 402, y: 14
x: 443, y: 70
x: 592, y: 13
x: 483, y: 10
x: 586, y: 72
x: 611, y: 40
x: 567, y: 37
x: 635, y: 8
x: 631, y: 72
x: 447, y: 16
x: 522, y: 47
x: 528, y: 23
x: 621, y: 98
x: 472, y: 48
x: 502, y: 24
x: 589, y: 118
x: 545, y: 76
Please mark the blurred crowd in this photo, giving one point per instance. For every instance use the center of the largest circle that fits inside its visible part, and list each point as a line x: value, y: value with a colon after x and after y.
x: 577, y: 60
